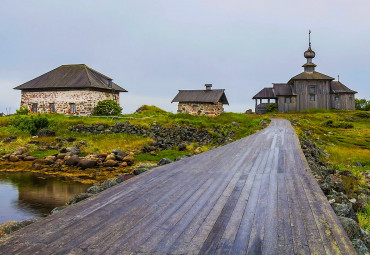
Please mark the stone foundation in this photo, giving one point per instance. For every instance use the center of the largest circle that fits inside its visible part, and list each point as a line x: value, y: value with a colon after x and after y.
x: 201, y: 108
x: 83, y: 100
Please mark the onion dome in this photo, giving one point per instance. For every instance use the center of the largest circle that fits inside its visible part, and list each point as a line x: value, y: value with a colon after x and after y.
x: 309, y: 53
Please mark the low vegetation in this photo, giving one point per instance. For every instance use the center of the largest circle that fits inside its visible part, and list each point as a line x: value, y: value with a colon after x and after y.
x: 344, y: 137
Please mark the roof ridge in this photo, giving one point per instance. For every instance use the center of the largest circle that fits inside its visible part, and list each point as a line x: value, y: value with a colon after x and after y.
x: 87, y: 74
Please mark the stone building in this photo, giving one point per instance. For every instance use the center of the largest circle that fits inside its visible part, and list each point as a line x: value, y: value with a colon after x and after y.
x: 201, y: 102
x: 307, y: 90
x: 68, y: 89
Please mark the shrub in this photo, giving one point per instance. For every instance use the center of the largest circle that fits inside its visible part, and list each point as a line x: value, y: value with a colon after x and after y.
x: 31, y: 124
x: 271, y: 108
x: 150, y: 109
x: 362, y: 104
x: 363, y: 115
x: 328, y: 123
x: 107, y: 107
x: 22, y: 111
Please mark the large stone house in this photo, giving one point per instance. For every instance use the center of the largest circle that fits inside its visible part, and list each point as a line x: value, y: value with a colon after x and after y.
x: 68, y: 89
x: 201, y: 102
x: 307, y: 90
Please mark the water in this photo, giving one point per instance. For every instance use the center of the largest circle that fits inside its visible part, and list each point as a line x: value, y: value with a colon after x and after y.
x: 24, y: 195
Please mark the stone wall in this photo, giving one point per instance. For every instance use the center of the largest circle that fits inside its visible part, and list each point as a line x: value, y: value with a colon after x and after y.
x: 208, y: 109
x: 84, y: 100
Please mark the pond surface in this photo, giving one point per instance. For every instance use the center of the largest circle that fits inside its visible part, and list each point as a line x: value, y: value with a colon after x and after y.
x: 24, y: 195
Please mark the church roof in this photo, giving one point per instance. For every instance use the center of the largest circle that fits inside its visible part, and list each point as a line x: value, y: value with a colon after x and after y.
x: 265, y: 93
x: 201, y: 96
x: 282, y: 89
x: 338, y: 87
x: 310, y: 76
x: 71, y: 77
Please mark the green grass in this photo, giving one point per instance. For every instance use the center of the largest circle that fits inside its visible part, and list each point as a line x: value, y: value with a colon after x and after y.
x: 43, y: 154
x: 364, y: 218
x: 345, y: 137
x: 170, y: 154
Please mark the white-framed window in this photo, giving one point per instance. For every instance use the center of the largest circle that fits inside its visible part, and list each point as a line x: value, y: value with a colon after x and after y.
x: 336, y: 98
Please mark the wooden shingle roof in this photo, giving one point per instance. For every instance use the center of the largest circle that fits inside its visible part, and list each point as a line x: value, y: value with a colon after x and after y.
x: 282, y: 89
x: 201, y: 96
x: 310, y: 76
x: 338, y: 87
x: 71, y: 77
x: 265, y: 93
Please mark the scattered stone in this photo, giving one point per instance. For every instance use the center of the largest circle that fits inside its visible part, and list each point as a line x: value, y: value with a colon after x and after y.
x: 110, y: 163
x: 79, y: 197
x: 111, y: 156
x: 348, y: 174
x: 61, y: 155
x: 360, y: 247
x: 87, y: 163
x: 140, y: 171
x: 129, y: 159
x: 351, y: 227
x: 164, y: 161
x: 72, y: 160
x: 294, y: 122
x: 182, y: 147
x: 71, y: 139
x: 73, y: 150
x: 123, y: 164
x: 235, y: 124
x: 13, y: 158
x: 57, y: 209
x: 249, y: 111
x: 94, y: 189
x: 12, y: 226
x: 361, y: 202
x: 29, y: 158
x: 344, y: 210
x: 108, y: 183
x: 358, y: 164
x: 45, y: 133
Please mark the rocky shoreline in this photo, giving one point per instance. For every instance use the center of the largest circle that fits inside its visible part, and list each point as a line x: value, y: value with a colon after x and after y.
x: 343, y: 191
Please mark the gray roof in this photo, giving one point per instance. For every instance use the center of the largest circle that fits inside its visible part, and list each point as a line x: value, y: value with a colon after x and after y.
x: 310, y: 76
x: 338, y: 87
x: 201, y: 96
x: 71, y: 77
x: 265, y: 93
x: 282, y: 89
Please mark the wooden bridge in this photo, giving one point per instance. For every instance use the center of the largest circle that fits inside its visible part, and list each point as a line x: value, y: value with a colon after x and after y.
x: 254, y: 196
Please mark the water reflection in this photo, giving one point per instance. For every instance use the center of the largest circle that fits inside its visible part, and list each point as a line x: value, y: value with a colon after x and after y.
x: 24, y: 195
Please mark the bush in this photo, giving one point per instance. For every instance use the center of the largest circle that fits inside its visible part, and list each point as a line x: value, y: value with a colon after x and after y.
x: 107, y: 107
x: 149, y: 109
x: 31, y: 124
x: 362, y: 104
x: 271, y: 108
x: 22, y: 111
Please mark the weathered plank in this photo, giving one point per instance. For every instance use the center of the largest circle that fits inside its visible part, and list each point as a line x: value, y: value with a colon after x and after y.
x: 254, y: 196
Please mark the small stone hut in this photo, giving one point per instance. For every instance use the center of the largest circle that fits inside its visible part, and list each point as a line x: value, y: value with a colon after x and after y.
x: 307, y: 90
x: 68, y: 89
x: 201, y: 102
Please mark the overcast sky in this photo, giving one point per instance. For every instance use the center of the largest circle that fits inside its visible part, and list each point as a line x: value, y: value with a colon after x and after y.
x: 154, y: 48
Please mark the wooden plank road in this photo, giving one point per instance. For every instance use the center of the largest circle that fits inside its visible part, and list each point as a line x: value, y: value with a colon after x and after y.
x: 254, y: 196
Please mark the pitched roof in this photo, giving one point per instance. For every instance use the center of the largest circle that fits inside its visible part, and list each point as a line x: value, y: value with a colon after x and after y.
x: 201, y: 96
x: 338, y: 87
x: 265, y: 93
x: 310, y: 76
x: 71, y: 77
x: 282, y: 89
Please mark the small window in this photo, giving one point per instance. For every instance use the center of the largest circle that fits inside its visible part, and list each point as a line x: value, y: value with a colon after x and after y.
x: 288, y: 100
x: 350, y: 98
x: 34, y: 108
x: 312, y: 97
x: 336, y: 98
x: 312, y: 90
x: 73, y: 108
x: 52, y: 107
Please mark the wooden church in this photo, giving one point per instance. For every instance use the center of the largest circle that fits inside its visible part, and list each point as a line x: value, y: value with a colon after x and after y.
x: 307, y: 90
